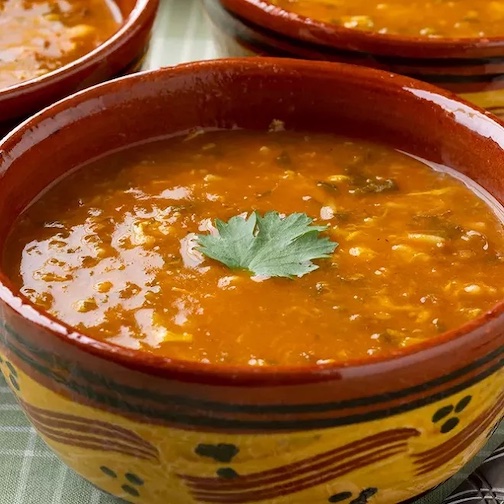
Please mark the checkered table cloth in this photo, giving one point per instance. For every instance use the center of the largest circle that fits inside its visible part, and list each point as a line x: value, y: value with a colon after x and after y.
x: 31, y: 474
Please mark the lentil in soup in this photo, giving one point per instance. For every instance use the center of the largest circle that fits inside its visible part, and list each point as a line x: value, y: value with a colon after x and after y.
x: 39, y: 36
x: 108, y: 250
x: 431, y: 18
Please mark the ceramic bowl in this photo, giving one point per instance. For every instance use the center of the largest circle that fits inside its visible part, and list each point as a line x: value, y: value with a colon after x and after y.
x: 153, y: 430
x: 473, y: 68
x: 120, y: 54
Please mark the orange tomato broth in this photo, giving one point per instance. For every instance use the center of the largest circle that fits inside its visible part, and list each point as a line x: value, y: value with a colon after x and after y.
x: 106, y: 250
x: 431, y: 18
x: 39, y: 36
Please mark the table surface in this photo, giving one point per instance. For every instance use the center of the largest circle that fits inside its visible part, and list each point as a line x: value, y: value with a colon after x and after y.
x: 31, y: 474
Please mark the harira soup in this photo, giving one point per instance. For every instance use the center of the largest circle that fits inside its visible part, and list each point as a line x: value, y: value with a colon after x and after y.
x: 39, y: 36
x: 261, y: 249
x: 430, y: 18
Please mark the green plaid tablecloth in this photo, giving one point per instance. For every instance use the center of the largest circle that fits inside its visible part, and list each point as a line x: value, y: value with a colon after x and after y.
x: 29, y: 472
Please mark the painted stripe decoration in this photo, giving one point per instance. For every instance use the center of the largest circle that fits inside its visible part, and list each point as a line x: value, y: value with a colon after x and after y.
x: 431, y: 460
x: 301, y: 475
x: 90, y: 434
x: 188, y: 412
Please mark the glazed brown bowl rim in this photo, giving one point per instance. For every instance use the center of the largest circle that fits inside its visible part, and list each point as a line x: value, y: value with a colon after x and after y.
x: 462, y: 336
x: 138, y: 16
x: 277, y: 19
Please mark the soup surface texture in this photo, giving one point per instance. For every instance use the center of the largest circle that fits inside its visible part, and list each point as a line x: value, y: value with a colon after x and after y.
x: 39, y: 36
x: 432, y: 18
x: 109, y: 250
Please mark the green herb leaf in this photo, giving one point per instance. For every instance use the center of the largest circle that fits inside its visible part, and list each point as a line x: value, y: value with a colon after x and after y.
x: 270, y: 246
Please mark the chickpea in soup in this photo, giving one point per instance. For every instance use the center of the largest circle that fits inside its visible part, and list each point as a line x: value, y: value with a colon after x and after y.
x: 407, y: 252
x: 39, y: 36
x: 430, y: 18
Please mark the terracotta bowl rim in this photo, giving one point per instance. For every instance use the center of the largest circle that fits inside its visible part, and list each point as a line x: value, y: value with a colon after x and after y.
x: 462, y: 336
x: 138, y: 16
x: 267, y: 15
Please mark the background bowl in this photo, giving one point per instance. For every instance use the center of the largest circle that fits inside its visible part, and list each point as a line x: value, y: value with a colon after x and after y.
x: 473, y: 68
x: 153, y: 430
x: 120, y: 54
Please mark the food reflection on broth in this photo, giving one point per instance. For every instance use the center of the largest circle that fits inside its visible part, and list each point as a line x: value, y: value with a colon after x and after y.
x: 106, y: 250
x: 430, y: 18
x: 39, y: 36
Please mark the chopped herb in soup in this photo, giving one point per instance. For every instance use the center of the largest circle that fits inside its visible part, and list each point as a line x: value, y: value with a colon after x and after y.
x: 431, y: 18
x: 243, y: 247
x: 39, y: 36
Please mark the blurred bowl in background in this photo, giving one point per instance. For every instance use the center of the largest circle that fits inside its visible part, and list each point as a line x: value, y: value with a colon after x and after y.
x: 122, y: 53
x: 472, y: 68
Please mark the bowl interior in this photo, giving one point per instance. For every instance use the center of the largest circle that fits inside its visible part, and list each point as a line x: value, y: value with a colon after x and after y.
x: 307, y: 96
x: 248, y: 93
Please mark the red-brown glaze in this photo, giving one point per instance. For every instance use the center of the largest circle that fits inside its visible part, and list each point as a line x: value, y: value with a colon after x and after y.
x: 247, y: 93
x: 461, y: 70
x: 114, y: 57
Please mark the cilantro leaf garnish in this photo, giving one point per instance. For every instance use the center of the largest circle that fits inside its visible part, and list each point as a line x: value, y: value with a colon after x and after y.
x: 269, y: 246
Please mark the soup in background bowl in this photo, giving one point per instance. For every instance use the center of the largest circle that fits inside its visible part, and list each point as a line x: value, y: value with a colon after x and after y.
x: 455, y: 45
x: 426, y: 18
x: 40, y: 36
x: 147, y: 328
x: 52, y: 48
